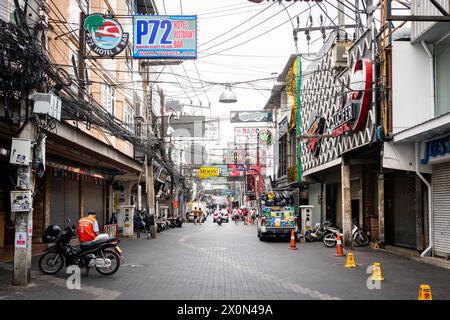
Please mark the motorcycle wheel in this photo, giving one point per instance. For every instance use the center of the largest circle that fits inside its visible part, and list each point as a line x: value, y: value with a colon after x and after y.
x: 115, y: 263
x: 309, y: 237
x: 330, y: 240
x: 51, y: 262
x: 362, y: 239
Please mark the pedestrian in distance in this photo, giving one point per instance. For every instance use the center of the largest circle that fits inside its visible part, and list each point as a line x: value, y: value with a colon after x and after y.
x: 253, y: 215
x: 236, y: 215
x: 245, y: 216
x: 200, y: 216
x: 195, y: 212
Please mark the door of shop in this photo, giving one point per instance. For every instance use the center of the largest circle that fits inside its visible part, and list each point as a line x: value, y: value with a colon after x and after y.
x: 400, y: 209
x: 441, y: 208
x: 64, y: 200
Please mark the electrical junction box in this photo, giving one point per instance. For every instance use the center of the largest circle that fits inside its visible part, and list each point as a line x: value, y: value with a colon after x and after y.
x: 20, y: 152
x: 125, y: 218
x: 306, y: 214
x: 47, y: 104
x: 128, y: 220
x: 339, y: 54
x: 21, y: 201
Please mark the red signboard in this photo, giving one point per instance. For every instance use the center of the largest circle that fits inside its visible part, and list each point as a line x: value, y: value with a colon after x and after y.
x: 354, y: 106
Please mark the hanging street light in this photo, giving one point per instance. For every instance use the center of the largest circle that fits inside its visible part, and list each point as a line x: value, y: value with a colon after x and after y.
x: 228, y: 96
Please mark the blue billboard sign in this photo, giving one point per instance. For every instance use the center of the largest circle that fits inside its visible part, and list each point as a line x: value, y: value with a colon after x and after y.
x: 165, y: 37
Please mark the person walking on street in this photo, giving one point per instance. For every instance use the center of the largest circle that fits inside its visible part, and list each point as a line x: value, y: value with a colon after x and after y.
x: 195, y: 212
x: 200, y: 215
x: 236, y: 215
x: 253, y: 215
x: 245, y: 216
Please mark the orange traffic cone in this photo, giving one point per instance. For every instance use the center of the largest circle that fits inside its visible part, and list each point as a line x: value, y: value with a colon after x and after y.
x: 339, y: 251
x: 293, y: 244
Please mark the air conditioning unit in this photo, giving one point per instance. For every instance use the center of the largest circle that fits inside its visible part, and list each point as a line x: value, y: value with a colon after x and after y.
x: 339, y: 54
x: 138, y: 109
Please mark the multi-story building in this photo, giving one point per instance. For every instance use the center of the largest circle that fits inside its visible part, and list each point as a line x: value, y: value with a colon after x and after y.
x: 91, y: 156
x: 418, y: 204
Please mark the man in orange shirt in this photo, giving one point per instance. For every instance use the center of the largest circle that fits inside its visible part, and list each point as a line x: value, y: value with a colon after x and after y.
x: 87, y: 229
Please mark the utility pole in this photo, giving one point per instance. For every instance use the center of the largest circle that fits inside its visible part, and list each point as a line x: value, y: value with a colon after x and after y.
x: 81, y: 54
x: 150, y: 188
x: 341, y: 19
x: 150, y: 195
x: 23, y: 220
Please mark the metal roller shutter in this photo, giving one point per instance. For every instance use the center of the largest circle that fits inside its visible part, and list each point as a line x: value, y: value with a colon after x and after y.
x: 93, y: 200
x: 404, y: 210
x: 57, y: 201
x: 71, y: 200
x: 441, y: 208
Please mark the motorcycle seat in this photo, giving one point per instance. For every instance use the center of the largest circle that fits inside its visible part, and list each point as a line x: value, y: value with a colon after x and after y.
x: 98, y: 242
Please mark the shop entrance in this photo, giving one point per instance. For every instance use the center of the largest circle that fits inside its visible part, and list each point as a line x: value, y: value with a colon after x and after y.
x: 400, y: 209
x: 332, y: 193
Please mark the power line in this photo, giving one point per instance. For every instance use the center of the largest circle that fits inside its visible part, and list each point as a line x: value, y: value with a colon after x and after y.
x: 256, y: 37
x: 246, y: 30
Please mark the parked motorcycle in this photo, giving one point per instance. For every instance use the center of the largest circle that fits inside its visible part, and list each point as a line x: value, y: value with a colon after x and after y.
x: 103, y: 254
x: 359, y: 236
x: 317, y: 233
x: 330, y: 237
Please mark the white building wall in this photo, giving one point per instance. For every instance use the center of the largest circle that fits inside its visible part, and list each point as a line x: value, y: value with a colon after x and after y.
x: 411, y: 87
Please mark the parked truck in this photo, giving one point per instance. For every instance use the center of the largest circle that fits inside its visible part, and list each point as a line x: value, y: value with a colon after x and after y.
x: 277, y: 222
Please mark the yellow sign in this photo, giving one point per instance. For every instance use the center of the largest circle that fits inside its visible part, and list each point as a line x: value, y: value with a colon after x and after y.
x: 208, y: 172
x: 425, y: 292
x: 350, y: 261
x: 376, y: 274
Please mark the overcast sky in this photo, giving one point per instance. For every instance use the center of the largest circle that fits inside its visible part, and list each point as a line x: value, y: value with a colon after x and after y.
x: 263, y: 46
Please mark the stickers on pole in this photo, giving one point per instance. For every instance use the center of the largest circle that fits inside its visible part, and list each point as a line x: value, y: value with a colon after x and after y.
x: 20, y: 241
x: 30, y: 227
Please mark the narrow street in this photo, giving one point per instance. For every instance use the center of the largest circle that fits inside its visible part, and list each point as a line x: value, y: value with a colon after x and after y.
x: 229, y: 262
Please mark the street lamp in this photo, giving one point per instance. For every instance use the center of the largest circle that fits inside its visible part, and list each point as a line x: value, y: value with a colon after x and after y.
x: 228, y: 96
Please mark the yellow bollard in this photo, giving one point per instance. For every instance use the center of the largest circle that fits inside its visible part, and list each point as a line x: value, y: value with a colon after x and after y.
x: 425, y: 292
x: 350, y: 261
x: 376, y: 273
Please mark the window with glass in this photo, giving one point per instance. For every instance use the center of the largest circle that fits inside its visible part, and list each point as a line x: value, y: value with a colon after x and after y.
x: 129, y: 117
x: 109, y: 98
x: 443, y: 76
x: 282, y: 170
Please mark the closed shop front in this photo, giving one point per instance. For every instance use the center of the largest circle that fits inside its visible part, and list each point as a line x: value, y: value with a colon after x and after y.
x: 64, y: 200
x: 93, y: 199
x: 441, y: 209
x: 400, y: 209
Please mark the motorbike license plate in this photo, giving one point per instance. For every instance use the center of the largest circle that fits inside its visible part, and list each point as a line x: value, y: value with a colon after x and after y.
x: 118, y: 249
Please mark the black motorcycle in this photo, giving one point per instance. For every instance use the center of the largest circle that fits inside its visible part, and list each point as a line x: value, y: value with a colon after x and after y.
x: 104, y: 255
x: 318, y: 233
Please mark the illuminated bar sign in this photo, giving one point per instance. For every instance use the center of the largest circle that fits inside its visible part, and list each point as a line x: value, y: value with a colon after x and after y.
x: 165, y: 37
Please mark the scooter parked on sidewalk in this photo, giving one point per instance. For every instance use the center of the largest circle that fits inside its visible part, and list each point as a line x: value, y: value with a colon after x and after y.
x: 103, y: 254
x: 317, y: 233
x: 358, y: 236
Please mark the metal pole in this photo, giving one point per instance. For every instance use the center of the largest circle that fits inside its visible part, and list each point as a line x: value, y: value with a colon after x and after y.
x: 341, y: 18
x: 299, y: 118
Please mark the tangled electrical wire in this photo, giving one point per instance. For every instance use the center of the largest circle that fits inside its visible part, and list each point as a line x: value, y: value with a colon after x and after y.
x: 25, y: 67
